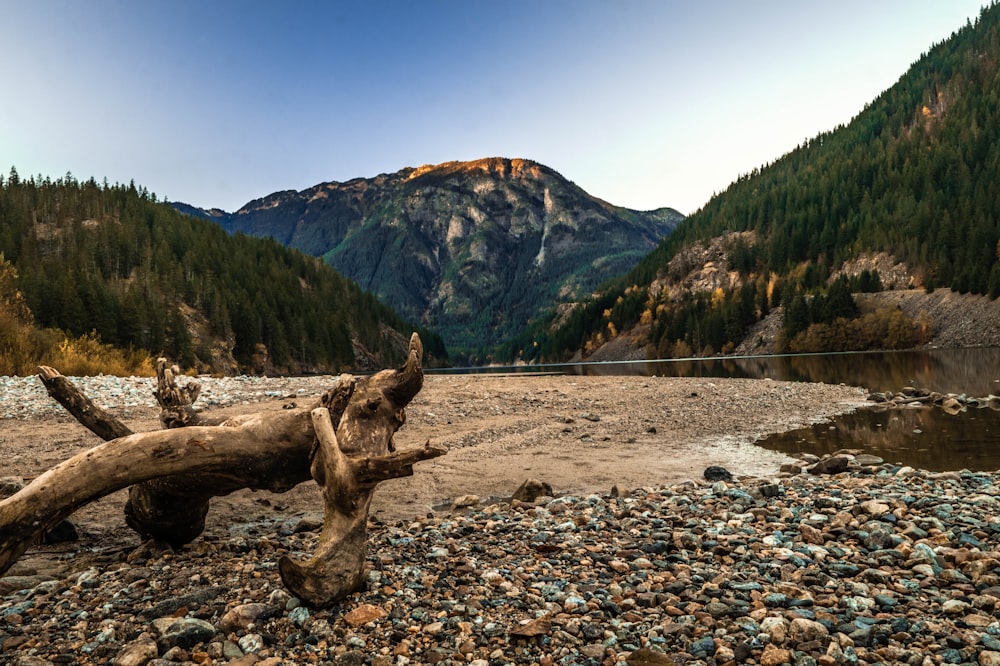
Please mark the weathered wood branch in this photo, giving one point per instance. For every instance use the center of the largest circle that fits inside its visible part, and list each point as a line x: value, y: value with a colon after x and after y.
x: 83, y: 409
x: 370, y: 471
x: 173, y: 509
x: 337, y: 568
x: 176, y: 402
x: 119, y: 463
x: 362, y: 438
x: 346, y: 445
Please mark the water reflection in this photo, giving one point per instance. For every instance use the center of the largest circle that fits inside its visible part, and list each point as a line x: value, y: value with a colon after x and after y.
x: 971, y: 371
x: 926, y: 438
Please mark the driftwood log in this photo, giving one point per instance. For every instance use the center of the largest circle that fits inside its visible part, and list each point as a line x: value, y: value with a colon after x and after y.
x: 344, y: 442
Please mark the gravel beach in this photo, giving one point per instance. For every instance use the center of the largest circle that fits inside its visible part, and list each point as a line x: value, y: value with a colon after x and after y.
x: 879, y: 564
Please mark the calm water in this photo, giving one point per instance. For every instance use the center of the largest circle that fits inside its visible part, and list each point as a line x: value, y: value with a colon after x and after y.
x: 970, y: 371
x: 919, y: 437
x: 924, y: 438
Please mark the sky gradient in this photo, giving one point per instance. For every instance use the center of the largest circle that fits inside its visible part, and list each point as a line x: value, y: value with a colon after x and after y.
x: 642, y: 103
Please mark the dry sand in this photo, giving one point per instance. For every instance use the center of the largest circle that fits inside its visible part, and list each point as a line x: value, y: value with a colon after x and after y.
x: 580, y: 434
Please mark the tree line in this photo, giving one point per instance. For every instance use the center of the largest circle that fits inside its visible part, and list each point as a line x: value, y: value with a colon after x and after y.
x: 113, y: 261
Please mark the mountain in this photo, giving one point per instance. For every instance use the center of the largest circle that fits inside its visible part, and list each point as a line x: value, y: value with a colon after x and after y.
x: 473, y: 250
x: 907, y: 195
x: 82, y: 257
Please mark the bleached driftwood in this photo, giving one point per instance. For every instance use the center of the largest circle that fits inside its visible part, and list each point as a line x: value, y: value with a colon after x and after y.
x: 344, y: 442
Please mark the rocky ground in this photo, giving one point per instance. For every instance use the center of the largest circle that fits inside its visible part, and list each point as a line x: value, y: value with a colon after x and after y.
x: 878, y: 564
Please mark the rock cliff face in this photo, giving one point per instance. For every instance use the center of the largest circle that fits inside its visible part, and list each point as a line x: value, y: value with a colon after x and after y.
x: 472, y: 250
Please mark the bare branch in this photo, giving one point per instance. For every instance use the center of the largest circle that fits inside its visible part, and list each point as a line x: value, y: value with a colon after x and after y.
x: 83, y: 409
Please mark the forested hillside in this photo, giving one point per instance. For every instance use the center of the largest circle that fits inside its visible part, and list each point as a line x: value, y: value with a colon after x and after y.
x: 113, y: 261
x: 916, y: 174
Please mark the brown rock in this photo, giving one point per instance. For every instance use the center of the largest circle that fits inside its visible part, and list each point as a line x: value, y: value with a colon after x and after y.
x: 531, y: 490
x: 951, y: 406
x: 833, y: 465
x: 802, y: 630
x: 775, y: 656
x: 989, y: 658
x: 138, y: 652
x: 537, y: 627
x: 811, y: 535
x: 648, y: 657
x: 464, y: 502
x: 364, y: 614
x: 239, y: 617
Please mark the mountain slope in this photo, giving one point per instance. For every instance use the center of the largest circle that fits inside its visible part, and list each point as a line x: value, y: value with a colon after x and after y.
x: 473, y: 250
x: 141, y: 275
x: 915, y: 175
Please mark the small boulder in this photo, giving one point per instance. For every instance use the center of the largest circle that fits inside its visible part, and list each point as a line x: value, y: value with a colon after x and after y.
x: 716, y: 473
x: 832, y: 465
x: 240, y: 617
x: 464, y: 502
x: 185, y: 633
x: 531, y: 490
x: 951, y: 406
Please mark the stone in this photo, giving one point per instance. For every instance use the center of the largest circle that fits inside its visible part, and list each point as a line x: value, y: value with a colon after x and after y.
x: 363, y: 614
x: 775, y: 656
x: 531, y: 490
x: 308, y: 524
x: 464, y: 502
x: 776, y: 628
x: 952, y: 406
x: 955, y: 607
x: 185, y: 633
x: 875, y: 508
x: 812, y: 535
x: 832, y: 465
x: 138, y: 652
x: 240, y: 617
x: 251, y: 643
x: 803, y: 630
x: 989, y: 658
x: 716, y: 473
x: 190, y: 601
x: 537, y: 627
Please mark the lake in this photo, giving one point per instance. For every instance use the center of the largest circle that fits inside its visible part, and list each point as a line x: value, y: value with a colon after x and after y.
x: 926, y: 438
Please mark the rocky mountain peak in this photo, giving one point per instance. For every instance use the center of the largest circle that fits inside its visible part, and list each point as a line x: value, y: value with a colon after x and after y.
x: 474, y: 250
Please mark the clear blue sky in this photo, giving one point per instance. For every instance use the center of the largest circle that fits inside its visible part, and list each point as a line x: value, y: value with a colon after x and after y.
x: 642, y: 103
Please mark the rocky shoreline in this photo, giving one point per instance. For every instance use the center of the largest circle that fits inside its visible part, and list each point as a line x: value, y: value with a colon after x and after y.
x: 881, y: 564
x: 875, y: 564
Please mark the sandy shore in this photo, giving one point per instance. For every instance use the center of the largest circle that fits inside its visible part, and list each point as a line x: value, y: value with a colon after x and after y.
x: 586, y: 434
x: 579, y: 434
